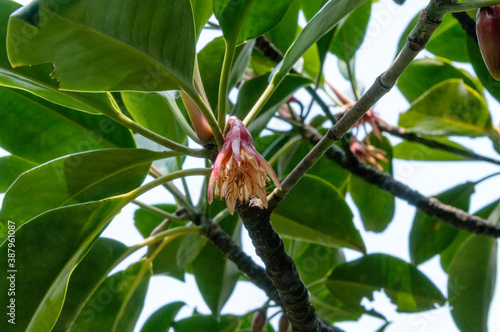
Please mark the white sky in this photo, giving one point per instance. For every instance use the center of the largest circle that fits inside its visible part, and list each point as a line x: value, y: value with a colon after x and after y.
x: 387, y: 24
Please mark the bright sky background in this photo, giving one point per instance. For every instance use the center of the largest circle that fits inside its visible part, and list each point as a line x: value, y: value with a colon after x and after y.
x: 377, y: 52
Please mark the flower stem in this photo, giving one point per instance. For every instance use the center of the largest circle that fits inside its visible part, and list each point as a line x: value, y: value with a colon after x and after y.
x: 224, y: 82
x: 119, y: 117
x: 167, y: 178
x: 156, y: 211
x: 259, y: 104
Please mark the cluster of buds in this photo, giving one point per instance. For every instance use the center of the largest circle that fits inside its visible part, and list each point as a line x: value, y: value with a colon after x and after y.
x: 239, y: 170
x: 488, y: 37
x: 365, y: 151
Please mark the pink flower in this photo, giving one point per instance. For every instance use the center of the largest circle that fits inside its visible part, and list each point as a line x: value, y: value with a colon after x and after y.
x: 368, y: 153
x: 239, y: 170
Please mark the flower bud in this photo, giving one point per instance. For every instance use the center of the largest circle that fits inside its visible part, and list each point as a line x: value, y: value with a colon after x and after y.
x: 258, y: 321
x: 284, y: 324
x: 488, y: 37
x: 200, y: 123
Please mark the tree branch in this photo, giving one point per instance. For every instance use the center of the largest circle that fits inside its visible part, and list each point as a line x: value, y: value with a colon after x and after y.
x: 385, y: 181
x: 411, y: 137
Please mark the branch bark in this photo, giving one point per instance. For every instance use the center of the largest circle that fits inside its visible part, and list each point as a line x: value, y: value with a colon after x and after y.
x: 430, y: 206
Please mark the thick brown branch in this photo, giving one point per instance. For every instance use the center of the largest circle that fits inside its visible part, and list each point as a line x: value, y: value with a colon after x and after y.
x: 279, y: 266
x: 256, y: 274
x: 430, y: 206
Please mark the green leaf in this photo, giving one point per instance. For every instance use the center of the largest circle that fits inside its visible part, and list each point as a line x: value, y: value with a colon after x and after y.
x: 215, y: 275
x: 241, y: 20
x: 313, y: 261
x: 104, y: 255
x: 251, y: 91
x: 448, y: 41
x: 173, y: 259
x: 154, y: 112
x: 311, y: 7
x: 162, y: 319
x: 36, y: 79
x: 448, y: 108
x: 351, y: 32
x: 58, y: 240
x: 202, y: 11
x: 435, y: 70
x: 324, y: 168
x: 429, y: 236
x: 404, y: 284
x: 10, y: 168
x: 119, y: 301
x: 471, y: 284
x: 226, y: 323
x: 154, y: 41
x: 376, y: 206
x: 319, y: 25
x: 332, y: 308
x: 285, y: 32
x: 447, y: 255
x: 157, y: 113
x: 50, y: 131
x: 414, y: 151
x: 477, y: 62
x: 210, y: 61
x: 77, y: 178
x: 304, y: 216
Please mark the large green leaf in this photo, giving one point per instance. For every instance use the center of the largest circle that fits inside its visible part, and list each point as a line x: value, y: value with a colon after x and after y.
x: 435, y: 70
x: 162, y: 319
x: 77, y: 178
x: 51, y: 244
x: 351, y: 32
x: 198, y: 323
x: 285, y: 32
x: 471, y: 284
x: 448, y: 41
x: 50, y: 131
x: 36, y: 79
x: 332, y: 308
x: 486, y: 212
x: 376, y: 206
x: 173, y: 259
x: 159, y: 113
x: 241, y: 20
x: 477, y: 62
x: 313, y: 261
x: 448, y: 108
x: 251, y: 91
x: 215, y: 274
x: 119, y: 301
x: 319, y: 25
x: 324, y: 168
x: 429, y: 236
x: 414, y: 151
x: 10, y: 168
x: 202, y: 11
x: 303, y: 215
x: 404, y: 284
x: 88, y: 275
x: 108, y: 45
x: 210, y: 60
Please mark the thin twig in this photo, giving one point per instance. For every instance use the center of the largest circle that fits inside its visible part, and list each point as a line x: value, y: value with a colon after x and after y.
x: 411, y: 137
x: 430, y: 206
